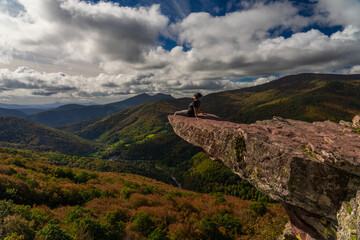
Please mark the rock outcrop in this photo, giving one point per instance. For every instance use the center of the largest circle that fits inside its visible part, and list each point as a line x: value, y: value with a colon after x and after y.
x: 313, y: 169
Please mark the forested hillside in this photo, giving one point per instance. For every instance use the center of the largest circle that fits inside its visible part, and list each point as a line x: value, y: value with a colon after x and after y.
x: 138, y: 133
x: 43, y: 201
x: 309, y: 97
x: 20, y: 133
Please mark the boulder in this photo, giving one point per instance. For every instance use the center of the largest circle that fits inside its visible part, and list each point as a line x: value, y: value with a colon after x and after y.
x: 311, y: 168
x: 356, y: 122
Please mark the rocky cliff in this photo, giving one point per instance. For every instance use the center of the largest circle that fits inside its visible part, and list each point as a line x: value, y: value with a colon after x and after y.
x: 313, y: 169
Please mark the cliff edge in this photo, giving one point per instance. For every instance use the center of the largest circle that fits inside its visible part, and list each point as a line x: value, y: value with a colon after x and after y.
x: 312, y: 169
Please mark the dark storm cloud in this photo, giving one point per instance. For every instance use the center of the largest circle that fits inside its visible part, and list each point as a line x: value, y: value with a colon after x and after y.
x: 110, y: 85
x: 94, y: 94
x: 144, y: 76
x: 43, y: 93
x: 16, y: 84
x: 60, y: 88
x: 35, y: 84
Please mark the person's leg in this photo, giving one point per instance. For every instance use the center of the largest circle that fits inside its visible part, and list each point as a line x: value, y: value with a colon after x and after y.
x: 181, y: 113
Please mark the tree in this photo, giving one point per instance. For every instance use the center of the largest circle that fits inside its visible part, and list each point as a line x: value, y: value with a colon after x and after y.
x: 53, y: 231
x: 158, y: 234
x: 144, y: 224
x: 259, y: 208
x: 210, y: 230
x: 6, y: 208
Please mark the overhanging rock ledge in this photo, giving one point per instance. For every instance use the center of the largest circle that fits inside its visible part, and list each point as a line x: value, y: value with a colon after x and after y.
x: 313, y: 169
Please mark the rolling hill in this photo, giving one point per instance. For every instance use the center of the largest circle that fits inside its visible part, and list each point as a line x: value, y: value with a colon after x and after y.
x: 12, y: 113
x: 71, y: 113
x: 138, y: 133
x: 308, y: 97
x: 20, y: 133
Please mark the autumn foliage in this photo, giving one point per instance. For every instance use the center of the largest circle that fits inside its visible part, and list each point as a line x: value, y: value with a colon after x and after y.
x: 44, y: 201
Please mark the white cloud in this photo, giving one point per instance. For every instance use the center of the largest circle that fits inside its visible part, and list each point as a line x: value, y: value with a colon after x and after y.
x: 355, y: 70
x: 351, y: 70
x: 344, y: 12
x: 80, y: 31
x: 29, y: 83
x: 123, y: 43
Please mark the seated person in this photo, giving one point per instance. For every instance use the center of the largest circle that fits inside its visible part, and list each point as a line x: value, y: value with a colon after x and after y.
x: 193, y: 109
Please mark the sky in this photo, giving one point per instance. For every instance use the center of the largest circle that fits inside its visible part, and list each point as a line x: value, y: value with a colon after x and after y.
x: 105, y: 51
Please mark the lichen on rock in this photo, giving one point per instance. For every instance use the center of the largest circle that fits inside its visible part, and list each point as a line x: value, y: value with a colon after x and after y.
x: 349, y: 219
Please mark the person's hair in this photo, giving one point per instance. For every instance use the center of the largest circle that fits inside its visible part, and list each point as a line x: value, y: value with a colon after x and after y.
x: 198, y: 95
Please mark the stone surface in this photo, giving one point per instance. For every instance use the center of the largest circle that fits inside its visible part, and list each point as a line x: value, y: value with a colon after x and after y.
x: 356, y: 122
x: 311, y: 168
x: 345, y: 123
x: 288, y: 233
x: 349, y: 219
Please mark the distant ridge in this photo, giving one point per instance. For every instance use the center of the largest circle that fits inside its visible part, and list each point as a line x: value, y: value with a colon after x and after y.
x: 71, y: 113
x: 12, y: 113
x: 20, y: 133
x: 31, y: 106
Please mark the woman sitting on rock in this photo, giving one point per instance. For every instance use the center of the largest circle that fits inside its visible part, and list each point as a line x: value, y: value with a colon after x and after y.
x: 193, y: 109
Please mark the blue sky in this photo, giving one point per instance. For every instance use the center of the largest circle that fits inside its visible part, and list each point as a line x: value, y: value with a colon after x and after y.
x: 80, y: 51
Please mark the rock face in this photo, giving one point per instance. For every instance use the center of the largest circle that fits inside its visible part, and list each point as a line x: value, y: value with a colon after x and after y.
x: 349, y: 219
x: 313, y: 169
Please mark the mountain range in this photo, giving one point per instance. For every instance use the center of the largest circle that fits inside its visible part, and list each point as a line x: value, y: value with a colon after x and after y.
x: 141, y: 132
x: 69, y: 113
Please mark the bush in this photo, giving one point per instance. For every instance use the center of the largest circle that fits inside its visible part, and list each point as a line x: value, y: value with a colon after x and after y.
x: 115, y: 222
x: 64, y: 173
x: 11, y: 171
x: 126, y: 192
x: 231, y: 224
x: 109, y: 193
x: 113, y: 217
x: 219, y: 198
x: 37, y: 216
x: 144, y: 224
x: 259, y: 208
x: 84, y: 176
x: 149, y: 189
x: 88, y: 228
x: 53, y: 231
x: 76, y: 213
x: 6, y: 208
x: 158, y: 234
x: 132, y: 185
x: 210, y: 230
x: 20, y: 226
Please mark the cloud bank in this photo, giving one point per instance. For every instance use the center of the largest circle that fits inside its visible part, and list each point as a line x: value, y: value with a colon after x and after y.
x: 212, y: 52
